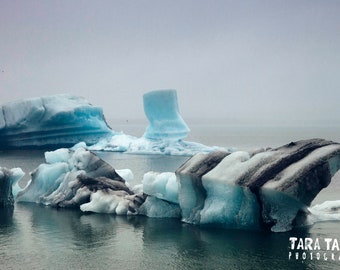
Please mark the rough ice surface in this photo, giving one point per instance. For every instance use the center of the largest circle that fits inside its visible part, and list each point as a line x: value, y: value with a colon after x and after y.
x: 132, y: 145
x: 267, y: 189
x: 9, y: 178
x: 51, y: 121
x: 161, y: 109
x: 65, y: 120
x: 78, y: 178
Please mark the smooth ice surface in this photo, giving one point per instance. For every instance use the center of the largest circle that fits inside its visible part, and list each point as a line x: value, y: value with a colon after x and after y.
x: 56, y: 121
x: 161, y: 185
x: 161, y: 109
x: 156, y: 208
x: 326, y: 211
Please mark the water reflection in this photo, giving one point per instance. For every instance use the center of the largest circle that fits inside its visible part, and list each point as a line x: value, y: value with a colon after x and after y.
x: 40, y: 237
x: 6, y: 217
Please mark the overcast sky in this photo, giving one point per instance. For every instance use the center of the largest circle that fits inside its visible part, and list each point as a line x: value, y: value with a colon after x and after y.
x: 227, y: 59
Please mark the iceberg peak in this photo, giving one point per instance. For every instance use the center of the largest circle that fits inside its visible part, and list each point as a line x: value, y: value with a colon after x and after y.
x: 161, y: 109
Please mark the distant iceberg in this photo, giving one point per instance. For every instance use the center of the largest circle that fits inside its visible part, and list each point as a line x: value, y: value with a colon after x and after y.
x: 269, y: 189
x: 161, y: 109
x: 65, y: 120
x: 51, y: 121
x: 163, y: 135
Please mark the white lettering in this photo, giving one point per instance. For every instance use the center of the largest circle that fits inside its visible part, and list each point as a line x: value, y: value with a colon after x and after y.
x: 328, y: 243
x: 300, y: 244
x: 292, y: 242
x: 308, y: 243
x: 335, y: 245
x: 317, y: 244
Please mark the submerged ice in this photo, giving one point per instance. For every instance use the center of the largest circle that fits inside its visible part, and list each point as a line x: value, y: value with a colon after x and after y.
x: 268, y: 189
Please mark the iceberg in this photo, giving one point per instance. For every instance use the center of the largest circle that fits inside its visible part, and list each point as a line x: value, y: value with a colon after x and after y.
x: 265, y: 189
x: 9, y: 178
x: 77, y: 178
x: 163, y: 135
x: 161, y: 109
x: 64, y: 120
x: 52, y: 121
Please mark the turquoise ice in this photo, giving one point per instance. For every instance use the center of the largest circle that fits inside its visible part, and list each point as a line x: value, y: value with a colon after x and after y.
x: 161, y: 109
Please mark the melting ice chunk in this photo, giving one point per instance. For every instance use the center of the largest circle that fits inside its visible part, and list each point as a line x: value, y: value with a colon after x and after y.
x: 161, y: 108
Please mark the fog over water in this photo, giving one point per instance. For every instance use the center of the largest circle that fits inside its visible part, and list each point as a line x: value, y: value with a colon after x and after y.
x: 255, y: 61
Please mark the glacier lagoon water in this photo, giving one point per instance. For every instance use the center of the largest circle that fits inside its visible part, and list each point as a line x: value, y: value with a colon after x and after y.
x: 36, y: 237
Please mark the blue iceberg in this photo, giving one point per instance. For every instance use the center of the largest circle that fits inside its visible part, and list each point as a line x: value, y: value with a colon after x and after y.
x: 164, y: 135
x: 161, y: 109
x: 267, y: 189
x: 65, y: 120
x: 51, y: 121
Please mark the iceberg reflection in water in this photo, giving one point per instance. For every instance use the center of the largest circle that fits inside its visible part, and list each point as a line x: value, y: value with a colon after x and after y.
x: 40, y: 237
x: 266, y: 189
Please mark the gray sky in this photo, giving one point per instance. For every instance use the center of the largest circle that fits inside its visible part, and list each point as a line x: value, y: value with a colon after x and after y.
x: 276, y: 60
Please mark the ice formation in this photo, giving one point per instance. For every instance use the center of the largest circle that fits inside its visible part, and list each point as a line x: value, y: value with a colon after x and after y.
x: 161, y: 109
x: 163, y: 135
x: 268, y: 189
x: 51, y: 121
x: 132, y: 145
x: 8, y: 178
x: 77, y: 178
x: 65, y: 120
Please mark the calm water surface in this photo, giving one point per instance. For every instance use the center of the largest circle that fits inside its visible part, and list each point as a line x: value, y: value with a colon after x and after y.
x: 37, y: 237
